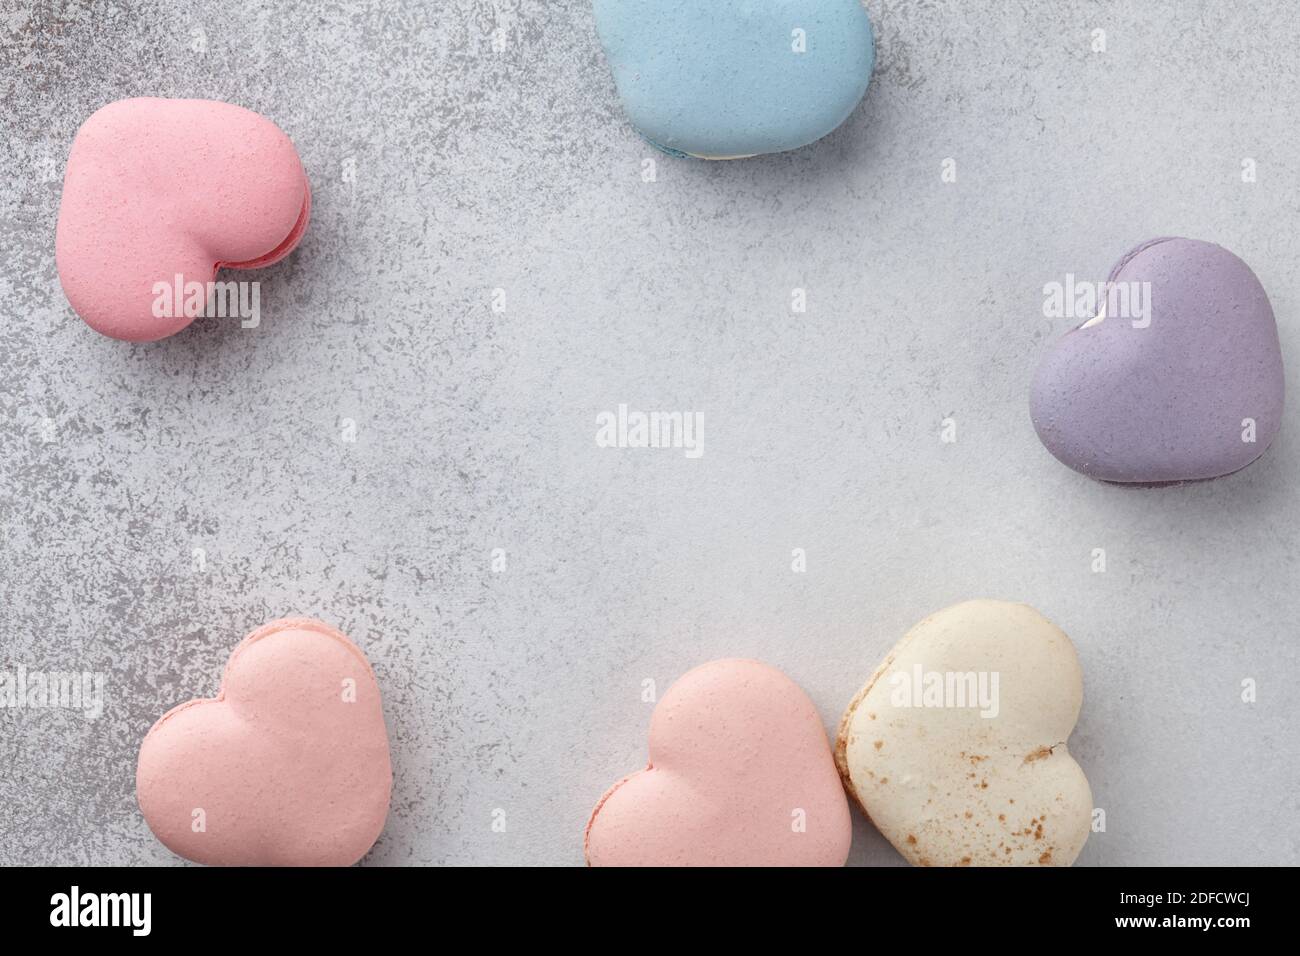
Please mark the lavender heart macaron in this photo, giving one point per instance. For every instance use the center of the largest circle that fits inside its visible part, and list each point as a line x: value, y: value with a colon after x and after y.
x: 1178, y: 377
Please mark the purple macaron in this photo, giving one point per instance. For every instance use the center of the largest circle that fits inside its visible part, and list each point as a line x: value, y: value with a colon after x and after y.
x: 1178, y: 379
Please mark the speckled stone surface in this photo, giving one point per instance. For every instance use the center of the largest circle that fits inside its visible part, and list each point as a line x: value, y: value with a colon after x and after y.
x: 158, y: 502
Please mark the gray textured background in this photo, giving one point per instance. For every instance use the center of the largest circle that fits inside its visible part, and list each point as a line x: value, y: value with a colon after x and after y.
x: 475, y: 430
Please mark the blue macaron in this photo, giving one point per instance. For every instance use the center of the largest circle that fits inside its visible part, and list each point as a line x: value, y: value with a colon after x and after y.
x: 723, y: 79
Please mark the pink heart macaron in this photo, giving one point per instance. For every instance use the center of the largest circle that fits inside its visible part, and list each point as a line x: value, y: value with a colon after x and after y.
x: 287, y: 766
x: 740, y: 774
x: 160, y: 194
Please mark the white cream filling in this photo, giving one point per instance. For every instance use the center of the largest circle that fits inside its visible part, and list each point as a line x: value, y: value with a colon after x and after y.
x: 1097, y: 319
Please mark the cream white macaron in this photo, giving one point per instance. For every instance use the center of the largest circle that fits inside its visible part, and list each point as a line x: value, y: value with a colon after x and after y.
x: 956, y: 746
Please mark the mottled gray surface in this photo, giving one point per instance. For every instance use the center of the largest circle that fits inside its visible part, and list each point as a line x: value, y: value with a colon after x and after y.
x: 477, y: 170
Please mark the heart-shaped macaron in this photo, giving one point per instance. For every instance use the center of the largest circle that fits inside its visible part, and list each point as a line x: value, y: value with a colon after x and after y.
x: 287, y: 766
x: 158, y: 195
x: 956, y: 746
x: 1188, y: 386
x: 725, y: 79
x: 740, y: 774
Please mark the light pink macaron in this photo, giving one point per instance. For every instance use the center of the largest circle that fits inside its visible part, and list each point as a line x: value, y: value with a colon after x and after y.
x: 163, y: 193
x: 740, y: 774
x: 287, y: 766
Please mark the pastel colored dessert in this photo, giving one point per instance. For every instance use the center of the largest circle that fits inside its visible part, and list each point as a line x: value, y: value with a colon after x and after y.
x: 1190, y: 388
x: 164, y: 193
x: 740, y: 774
x: 725, y: 79
x: 956, y: 746
x: 287, y: 766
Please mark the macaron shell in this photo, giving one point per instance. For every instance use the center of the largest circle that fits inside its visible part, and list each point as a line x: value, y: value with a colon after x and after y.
x: 1169, y: 402
x: 949, y: 787
x: 721, y: 79
x: 156, y: 188
x: 287, y: 245
x: 738, y: 757
x: 286, y: 770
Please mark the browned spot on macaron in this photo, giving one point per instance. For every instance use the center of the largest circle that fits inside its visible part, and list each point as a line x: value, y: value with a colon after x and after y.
x: 911, y: 838
x: 1038, y: 754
